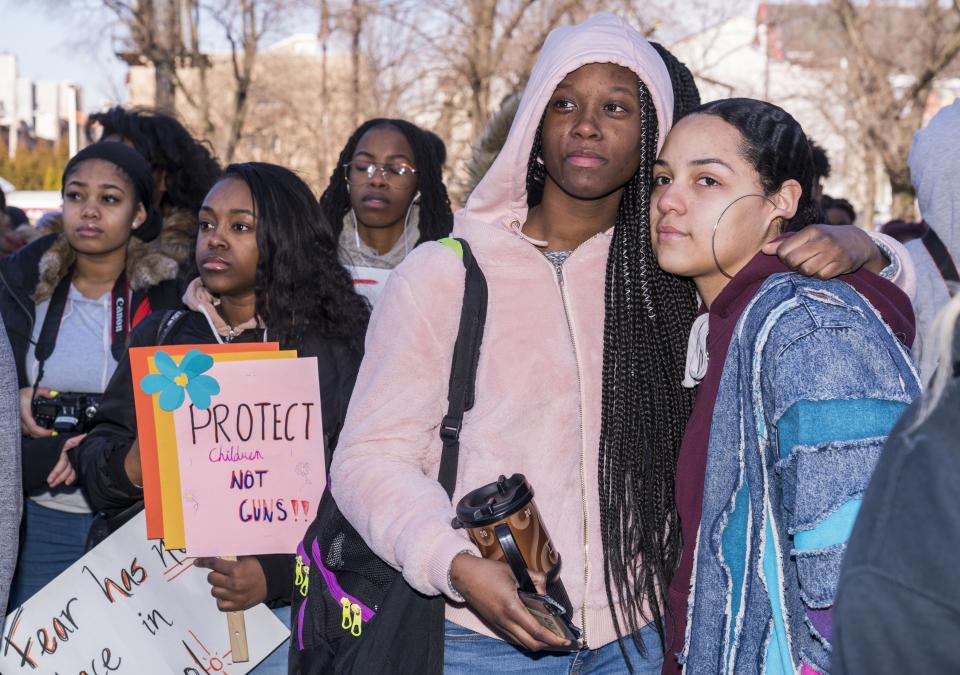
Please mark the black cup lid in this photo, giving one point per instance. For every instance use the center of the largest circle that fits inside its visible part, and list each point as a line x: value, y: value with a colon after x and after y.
x: 495, y: 501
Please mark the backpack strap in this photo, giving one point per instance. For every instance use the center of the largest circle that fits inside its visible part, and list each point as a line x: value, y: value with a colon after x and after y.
x: 941, y: 256
x: 168, y: 322
x: 466, y: 355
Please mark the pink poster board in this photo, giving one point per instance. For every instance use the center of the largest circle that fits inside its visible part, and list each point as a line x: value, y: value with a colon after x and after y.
x: 252, y: 463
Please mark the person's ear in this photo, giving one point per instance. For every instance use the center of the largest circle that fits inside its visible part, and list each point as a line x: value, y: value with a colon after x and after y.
x: 787, y: 199
x: 140, y: 217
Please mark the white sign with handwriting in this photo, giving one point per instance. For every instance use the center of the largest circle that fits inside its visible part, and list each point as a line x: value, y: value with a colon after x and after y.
x: 128, y: 606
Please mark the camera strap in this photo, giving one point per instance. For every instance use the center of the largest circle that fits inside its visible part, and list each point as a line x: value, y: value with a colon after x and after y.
x: 466, y: 355
x: 119, y: 321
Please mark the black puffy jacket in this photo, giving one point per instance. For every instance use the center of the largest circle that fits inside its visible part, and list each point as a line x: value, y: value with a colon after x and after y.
x: 99, y: 459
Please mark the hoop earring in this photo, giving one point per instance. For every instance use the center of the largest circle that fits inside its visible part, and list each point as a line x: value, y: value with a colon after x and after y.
x: 713, y: 239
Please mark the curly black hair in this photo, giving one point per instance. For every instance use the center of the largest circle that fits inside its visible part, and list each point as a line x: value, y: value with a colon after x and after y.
x: 298, y: 294
x: 189, y: 168
x: 429, y: 154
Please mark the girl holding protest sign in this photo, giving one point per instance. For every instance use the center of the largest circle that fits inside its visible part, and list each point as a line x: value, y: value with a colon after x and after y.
x: 267, y: 272
x: 386, y: 196
x: 68, y: 301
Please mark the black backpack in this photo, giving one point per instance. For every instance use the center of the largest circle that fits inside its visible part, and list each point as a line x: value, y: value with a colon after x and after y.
x: 352, y: 613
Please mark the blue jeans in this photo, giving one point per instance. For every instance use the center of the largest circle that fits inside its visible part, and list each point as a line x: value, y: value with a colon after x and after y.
x: 276, y: 663
x: 52, y: 541
x: 469, y: 653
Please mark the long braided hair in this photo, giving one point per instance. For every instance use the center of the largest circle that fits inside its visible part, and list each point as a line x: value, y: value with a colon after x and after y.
x: 648, y: 315
x: 686, y: 96
x: 429, y: 153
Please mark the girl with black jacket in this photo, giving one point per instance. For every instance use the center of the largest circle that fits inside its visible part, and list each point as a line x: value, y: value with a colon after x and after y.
x: 268, y: 272
x: 68, y: 301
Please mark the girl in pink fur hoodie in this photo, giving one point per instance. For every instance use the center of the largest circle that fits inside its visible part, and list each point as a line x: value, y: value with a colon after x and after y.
x: 578, y: 383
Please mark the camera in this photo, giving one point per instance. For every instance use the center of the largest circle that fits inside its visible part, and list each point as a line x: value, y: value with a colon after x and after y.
x: 68, y: 412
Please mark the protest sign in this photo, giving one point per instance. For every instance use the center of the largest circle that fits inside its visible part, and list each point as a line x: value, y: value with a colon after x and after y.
x: 169, y: 463
x: 130, y: 606
x: 141, y: 364
x: 247, y: 461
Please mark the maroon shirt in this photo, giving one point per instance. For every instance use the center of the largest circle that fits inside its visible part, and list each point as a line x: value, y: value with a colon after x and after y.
x: 725, y: 311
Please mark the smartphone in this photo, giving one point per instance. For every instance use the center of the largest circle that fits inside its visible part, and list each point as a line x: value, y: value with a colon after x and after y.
x: 552, y: 616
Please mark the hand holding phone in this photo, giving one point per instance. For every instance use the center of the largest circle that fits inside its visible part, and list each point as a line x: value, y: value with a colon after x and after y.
x: 551, y: 615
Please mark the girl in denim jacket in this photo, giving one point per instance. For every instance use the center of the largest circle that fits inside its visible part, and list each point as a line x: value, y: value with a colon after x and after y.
x: 800, y: 381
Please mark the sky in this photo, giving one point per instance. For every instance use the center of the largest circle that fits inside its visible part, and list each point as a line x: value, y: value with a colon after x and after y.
x: 52, y: 43
x: 75, y: 40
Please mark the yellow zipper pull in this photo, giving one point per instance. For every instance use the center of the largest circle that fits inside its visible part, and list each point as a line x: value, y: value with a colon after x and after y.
x: 306, y: 581
x: 357, y: 622
x: 346, y: 622
x: 302, y: 579
x: 298, y: 575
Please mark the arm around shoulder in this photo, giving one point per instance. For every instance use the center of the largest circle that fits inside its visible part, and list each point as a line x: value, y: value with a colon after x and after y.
x: 900, y: 270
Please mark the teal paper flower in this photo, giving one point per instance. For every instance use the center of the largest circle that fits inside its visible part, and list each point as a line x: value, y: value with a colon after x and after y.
x: 172, y: 380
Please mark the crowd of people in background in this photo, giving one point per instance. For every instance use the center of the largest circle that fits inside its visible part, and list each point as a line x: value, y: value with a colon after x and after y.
x: 734, y: 405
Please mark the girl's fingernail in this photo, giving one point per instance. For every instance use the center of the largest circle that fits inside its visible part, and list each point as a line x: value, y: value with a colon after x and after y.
x: 54, y: 434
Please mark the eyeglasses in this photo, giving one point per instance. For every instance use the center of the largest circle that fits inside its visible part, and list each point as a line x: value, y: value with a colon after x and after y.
x: 360, y: 171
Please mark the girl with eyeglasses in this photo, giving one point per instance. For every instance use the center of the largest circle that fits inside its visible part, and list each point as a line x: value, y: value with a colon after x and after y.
x: 386, y: 196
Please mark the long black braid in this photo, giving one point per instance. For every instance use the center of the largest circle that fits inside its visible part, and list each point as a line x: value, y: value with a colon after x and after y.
x: 686, y: 96
x: 648, y: 315
x: 429, y: 154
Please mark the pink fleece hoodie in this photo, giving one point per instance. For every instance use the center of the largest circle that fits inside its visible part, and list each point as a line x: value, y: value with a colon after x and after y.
x: 538, y: 396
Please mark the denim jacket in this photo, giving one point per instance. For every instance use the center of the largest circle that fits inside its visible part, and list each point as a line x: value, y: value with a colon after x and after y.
x: 812, y: 384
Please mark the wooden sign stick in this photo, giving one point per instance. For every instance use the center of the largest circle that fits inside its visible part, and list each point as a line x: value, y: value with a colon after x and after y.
x: 239, y: 651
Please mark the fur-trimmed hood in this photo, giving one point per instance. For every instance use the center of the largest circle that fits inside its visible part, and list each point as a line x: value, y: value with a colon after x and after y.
x: 148, y: 264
